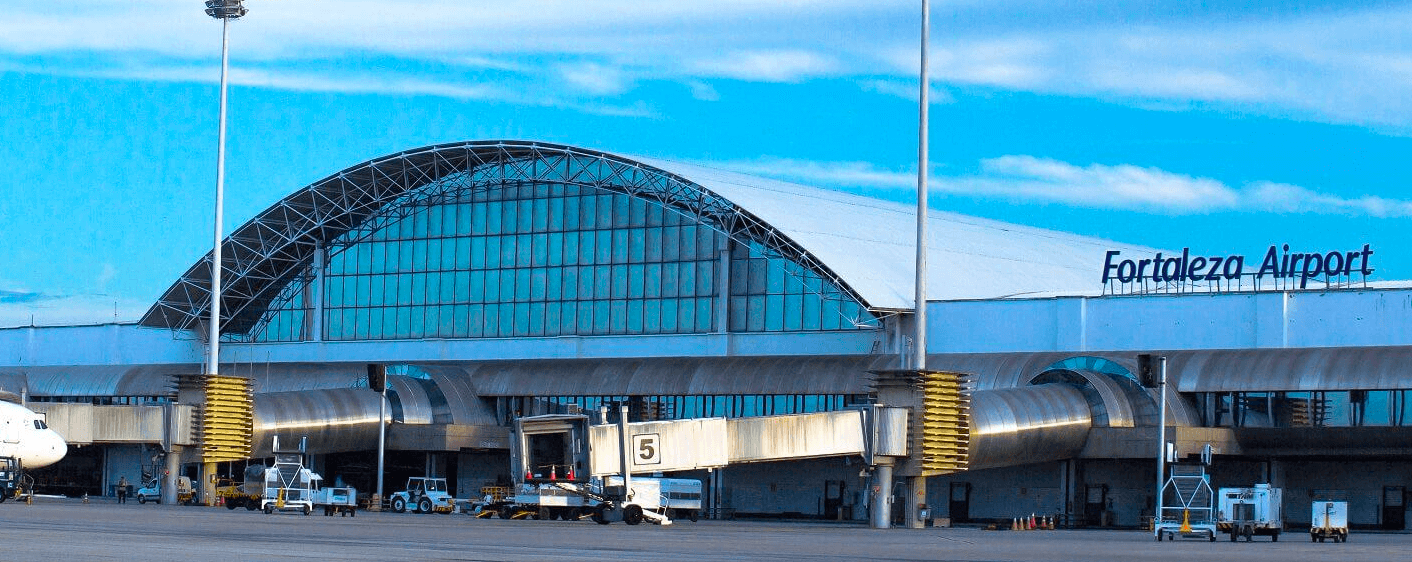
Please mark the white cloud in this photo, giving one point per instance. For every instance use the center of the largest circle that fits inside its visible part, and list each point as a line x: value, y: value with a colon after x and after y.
x: 832, y: 174
x: 595, y: 78
x: 1094, y: 186
x: 1335, y: 63
x: 790, y: 65
x: 907, y: 91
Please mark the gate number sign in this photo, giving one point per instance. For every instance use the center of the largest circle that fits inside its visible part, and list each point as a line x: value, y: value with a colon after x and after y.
x: 647, y: 448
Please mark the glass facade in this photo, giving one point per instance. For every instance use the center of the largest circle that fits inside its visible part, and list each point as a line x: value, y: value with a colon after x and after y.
x: 460, y: 259
x: 1341, y: 408
x: 665, y: 407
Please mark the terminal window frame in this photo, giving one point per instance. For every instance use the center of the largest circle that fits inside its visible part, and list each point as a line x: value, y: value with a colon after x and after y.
x: 543, y: 259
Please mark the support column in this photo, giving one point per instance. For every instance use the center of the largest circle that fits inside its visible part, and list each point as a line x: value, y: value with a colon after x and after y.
x: 170, y: 473
x: 207, y: 486
x: 881, y: 513
x: 916, y: 498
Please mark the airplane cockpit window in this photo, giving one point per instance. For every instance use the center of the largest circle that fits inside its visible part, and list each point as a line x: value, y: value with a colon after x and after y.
x: 39, y: 424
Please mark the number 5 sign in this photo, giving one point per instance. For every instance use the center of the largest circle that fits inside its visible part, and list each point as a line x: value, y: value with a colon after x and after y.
x: 647, y: 448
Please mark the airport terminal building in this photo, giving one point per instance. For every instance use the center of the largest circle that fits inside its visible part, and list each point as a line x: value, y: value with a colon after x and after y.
x: 500, y: 279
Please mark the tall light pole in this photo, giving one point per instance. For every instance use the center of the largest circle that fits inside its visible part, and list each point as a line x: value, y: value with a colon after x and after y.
x: 224, y: 10
x: 917, y: 488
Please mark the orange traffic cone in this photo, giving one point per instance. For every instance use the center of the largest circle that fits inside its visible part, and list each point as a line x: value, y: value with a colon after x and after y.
x: 553, y: 473
x: 1014, y: 524
x: 1031, y: 522
x: 529, y: 475
x: 570, y: 475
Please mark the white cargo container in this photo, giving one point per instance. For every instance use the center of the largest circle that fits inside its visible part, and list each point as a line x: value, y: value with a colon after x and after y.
x: 1246, y: 512
x: 1330, y: 520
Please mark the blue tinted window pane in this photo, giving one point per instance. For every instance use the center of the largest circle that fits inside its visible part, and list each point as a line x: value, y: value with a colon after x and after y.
x: 652, y: 280
x: 585, y: 317
x: 619, y: 313
x: 669, y: 316
x: 651, y: 316
x: 620, y: 281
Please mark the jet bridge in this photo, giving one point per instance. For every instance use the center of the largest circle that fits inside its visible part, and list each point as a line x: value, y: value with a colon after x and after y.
x: 568, y: 448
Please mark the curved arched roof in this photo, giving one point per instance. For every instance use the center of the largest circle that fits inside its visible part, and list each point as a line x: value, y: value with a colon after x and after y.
x: 864, y: 246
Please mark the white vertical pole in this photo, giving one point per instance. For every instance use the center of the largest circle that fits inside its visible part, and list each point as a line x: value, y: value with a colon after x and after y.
x: 213, y: 358
x: 917, y: 485
x: 919, y: 347
x: 1161, y: 436
x: 382, y: 435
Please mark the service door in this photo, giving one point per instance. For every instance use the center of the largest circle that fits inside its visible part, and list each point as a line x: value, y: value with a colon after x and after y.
x: 1394, y: 510
x: 960, y: 505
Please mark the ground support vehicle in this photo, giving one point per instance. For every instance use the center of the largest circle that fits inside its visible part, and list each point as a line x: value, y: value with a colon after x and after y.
x: 1191, y: 511
x: 492, y: 498
x: 152, y: 491
x: 1330, y: 521
x: 246, y: 493
x: 656, y: 499
x: 13, y: 480
x: 545, y: 501
x: 1246, y: 512
x: 424, y: 495
x: 288, y: 485
x: 342, y: 500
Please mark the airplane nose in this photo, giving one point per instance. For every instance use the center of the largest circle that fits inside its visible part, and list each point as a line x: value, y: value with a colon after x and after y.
x: 52, y: 451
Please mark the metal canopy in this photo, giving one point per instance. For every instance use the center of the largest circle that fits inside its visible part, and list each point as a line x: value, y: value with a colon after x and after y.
x: 275, y: 248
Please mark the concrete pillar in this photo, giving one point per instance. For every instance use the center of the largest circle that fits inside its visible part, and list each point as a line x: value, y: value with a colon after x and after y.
x: 169, y: 475
x: 881, y: 512
x: 916, y: 498
x: 207, y: 486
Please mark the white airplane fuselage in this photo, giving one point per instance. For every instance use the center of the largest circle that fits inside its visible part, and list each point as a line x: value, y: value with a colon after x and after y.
x: 25, y: 436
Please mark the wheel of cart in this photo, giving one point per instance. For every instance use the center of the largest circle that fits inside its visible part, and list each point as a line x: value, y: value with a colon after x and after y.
x: 632, y: 514
x: 399, y: 505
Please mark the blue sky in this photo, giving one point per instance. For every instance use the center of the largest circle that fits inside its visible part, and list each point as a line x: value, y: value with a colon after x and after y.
x: 1222, y: 127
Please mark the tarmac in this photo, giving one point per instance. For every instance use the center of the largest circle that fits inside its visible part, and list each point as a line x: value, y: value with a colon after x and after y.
x: 69, y: 529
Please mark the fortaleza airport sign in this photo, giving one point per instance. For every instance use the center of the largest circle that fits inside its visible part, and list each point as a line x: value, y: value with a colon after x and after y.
x: 1279, y: 263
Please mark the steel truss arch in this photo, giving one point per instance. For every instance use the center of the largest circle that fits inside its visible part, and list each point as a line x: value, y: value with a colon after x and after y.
x: 263, y: 256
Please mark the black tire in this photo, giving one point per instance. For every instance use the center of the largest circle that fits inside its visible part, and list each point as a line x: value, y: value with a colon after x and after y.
x: 505, y: 512
x: 424, y: 506
x: 1275, y: 537
x: 141, y: 499
x: 1313, y: 537
x: 1233, y: 535
x: 598, y: 516
x: 1321, y: 539
x: 308, y: 509
x: 353, y: 512
x: 632, y: 514
x: 230, y: 505
x: 250, y: 505
x: 1212, y: 536
x: 399, y: 505
x: 693, y: 515
x: 269, y: 509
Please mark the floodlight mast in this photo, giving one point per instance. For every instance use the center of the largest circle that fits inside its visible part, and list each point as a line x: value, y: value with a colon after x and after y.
x: 224, y: 10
